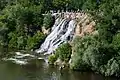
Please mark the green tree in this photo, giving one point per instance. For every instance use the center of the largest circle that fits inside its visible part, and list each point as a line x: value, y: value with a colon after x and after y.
x: 64, y: 52
x: 48, y: 21
x: 61, y: 4
x: 20, y: 22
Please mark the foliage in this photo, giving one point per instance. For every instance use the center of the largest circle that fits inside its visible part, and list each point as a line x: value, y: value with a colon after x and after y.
x: 19, y: 23
x: 48, y: 21
x: 52, y: 59
x: 116, y: 41
x: 92, y: 55
x: 76, y: 4
x: 89, y: 5
x: 61, y: 4
x: 35, y: 41
x: 79, y: 47
x: 102, y: 56
x: 64, y: 52
x: 89, y: 53
x: 112, y: 67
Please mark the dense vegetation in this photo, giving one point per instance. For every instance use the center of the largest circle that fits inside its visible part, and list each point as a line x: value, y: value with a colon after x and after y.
x: 63, y: 52
x: 101, y: 52
x: 21, y: 22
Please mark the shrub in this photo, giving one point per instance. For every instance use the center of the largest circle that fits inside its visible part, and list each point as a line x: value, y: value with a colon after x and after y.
x: 48, y: 21
x: 112, y: 67
x: 96, y: 56
x: 64, y: 52
x: 77, y: 63
x: 52, y: 59
x: 116, y: 41
x: 79, y: 47
x: 89, y: 53
x: 13, y: 40
x: 35, y: 41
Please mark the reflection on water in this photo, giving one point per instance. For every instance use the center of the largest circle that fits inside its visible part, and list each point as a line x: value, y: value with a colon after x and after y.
x: 10, y: 71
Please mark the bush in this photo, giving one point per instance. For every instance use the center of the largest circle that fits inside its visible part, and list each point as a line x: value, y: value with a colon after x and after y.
x: 13, y: 40
x: 116, y: 41
x: 35, y: 41
x: 48, y: 21
x: 112, y: 67
x: 52, y: 59
x: 96, y: 56
x: 61, y: 4
x: 90, y: 54
x: 77, y: 63
x: 64, y: 52
x: 79, y: 47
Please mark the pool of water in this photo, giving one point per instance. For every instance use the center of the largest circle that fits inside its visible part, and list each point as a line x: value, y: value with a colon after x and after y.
x: 39, y: 70
x: 11, y: 71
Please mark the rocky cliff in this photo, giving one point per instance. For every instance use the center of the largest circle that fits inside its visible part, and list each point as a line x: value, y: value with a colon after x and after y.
x: 85, y: 25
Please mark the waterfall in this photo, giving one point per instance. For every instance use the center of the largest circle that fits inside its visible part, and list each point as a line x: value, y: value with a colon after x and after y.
x: 62, y: 31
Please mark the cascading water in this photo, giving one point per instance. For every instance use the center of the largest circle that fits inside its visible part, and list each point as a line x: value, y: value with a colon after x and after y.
x: 62, y: 31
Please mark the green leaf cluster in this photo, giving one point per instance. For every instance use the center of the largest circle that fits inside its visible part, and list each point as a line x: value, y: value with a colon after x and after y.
x: 48, y: 21
x: 19, y: 22
x: 64, y: 52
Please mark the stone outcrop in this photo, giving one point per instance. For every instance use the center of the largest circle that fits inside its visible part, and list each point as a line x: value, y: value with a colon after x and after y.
x: 84, y: 25
x: 45, y: 31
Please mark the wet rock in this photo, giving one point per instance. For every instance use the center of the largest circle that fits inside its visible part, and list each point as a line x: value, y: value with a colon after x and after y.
x: 58, y: 62
x: 64, y: 65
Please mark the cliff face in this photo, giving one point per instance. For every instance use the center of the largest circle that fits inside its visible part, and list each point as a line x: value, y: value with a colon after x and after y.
x: 84, y: 25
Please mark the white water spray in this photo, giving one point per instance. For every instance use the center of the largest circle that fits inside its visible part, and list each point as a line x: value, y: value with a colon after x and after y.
x: 62, y: 31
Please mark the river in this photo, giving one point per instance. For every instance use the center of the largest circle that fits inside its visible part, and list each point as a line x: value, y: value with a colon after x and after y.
x: 39, y: 70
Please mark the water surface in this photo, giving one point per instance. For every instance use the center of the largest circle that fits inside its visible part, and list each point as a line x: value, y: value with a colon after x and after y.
x: 11, y: 71
x: 39, y: 70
